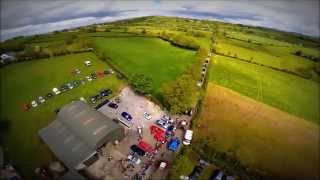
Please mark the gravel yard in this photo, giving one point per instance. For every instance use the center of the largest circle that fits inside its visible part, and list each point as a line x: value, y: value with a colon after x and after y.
x: 113, y: 163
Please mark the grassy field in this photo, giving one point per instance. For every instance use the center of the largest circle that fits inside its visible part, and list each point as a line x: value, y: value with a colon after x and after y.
x: 152, y: 57
x: 261, y: 136
x: 23, y: 82
x: 287, y: 92
x: 272, y: 56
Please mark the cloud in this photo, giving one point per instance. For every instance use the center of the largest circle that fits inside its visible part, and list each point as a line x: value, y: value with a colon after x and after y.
x: 35, y: 16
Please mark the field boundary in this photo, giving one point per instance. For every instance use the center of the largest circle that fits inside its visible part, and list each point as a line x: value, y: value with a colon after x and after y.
x: 270, y: 67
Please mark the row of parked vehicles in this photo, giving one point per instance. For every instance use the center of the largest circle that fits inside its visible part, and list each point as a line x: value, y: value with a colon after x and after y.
x: 66, y: 87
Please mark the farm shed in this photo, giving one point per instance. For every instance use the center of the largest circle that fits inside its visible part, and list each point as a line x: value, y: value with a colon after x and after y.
x: 77, y: 132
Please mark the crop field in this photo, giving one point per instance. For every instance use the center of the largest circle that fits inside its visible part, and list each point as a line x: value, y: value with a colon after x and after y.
x: 287, y: 92
x: 260, y: 136
x: 152, y: 57
x: 25, y: 81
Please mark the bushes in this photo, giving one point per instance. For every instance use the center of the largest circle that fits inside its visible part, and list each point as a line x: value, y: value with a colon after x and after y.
x: 180, y: 95
x: 180, y: 40
x: 141, y: 83
x: 226, y: 160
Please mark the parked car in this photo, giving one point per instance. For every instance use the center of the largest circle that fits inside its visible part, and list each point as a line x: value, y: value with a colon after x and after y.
x: 147, y: 116
x: 41, y: 99
x: 87, y: 63
x: 196, y: 172
x: 113, y: 105
x: 101, y: 104
x: 64, y: 88
x: 77, y: 71
x: 173, y: 145
x: 49, y: 95
x: 105, y: 92
x: 82, y: 99
x: 70, y: 85
x: 217, y: 175
x: 89, y: 78
x: 187, y: 137
x: 83, y: 81
x: 163, y: 123
x: 138, y: 150
x: 127, y: 116
x: 26, y: 107
x: 76, y: 83
x: 56, y: 91
x: 93, y: 75
x: 34, y: 104
x: 95, y: 98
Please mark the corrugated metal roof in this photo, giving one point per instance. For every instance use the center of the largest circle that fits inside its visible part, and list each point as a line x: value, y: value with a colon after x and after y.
x: 76, y: 132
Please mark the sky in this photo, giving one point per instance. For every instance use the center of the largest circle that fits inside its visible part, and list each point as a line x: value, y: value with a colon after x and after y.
x: 26, y: 17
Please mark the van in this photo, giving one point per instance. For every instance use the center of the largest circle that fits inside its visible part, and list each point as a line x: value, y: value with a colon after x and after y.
x: 187, y: 137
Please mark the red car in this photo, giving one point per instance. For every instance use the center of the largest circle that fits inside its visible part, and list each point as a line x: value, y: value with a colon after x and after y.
x: 159, y: 133
x: 146, y: 147
x: 26, y: 107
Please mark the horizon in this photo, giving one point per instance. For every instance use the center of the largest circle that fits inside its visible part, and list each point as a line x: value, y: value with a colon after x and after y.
x: 60, y: 15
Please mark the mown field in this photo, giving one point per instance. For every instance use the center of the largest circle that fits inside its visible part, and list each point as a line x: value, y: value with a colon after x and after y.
x: 287, y: 92
x: 260, y: 136
x: 153, y: 57
x: 23, y: 82
x: 270, y: 52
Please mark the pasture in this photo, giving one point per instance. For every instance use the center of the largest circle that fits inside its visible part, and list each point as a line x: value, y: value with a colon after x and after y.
x: 260, y: 136
x: 272, y: 56
x: 25, y: 81
x: 155, y: 58
x: 287, y: 92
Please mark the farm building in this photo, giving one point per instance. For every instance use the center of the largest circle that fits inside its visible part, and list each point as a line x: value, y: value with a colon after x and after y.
x: 77, y: 132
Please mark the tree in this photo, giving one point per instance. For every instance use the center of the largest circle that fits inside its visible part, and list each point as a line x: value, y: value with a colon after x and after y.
x: 141, y: 83
x: 181, y: 94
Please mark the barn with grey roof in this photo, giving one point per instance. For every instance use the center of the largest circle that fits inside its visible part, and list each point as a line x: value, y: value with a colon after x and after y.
x: 77, y: 132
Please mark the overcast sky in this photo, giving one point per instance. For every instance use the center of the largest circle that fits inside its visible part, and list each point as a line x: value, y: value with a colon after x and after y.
x: 27, y: 17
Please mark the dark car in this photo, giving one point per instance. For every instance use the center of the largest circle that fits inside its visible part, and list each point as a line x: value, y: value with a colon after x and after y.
x: 76, y: 83
x: 49, y: 95
x: 196, y: 172
x: 101, y: 104
x: 113, y: 105
x: 93, y: 75
x: 127, y: 116
x: 64, y: 88
x: 95, y: 98
x: 138, y: 150
x: 105, y: 92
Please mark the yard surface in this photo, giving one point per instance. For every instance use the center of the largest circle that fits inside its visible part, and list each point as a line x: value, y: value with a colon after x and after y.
x: 287, y: 92
x: 153, y: 57
x: 261, y: 136
x: 24, y: 82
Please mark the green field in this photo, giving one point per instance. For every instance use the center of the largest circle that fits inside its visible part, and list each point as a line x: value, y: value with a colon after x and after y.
x: 272, y: 56
x: 287, y: 92
x: 23, y: 82
x: 153, y: 57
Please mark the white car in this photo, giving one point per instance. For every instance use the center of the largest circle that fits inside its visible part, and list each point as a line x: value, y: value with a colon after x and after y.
x: 89, y: 78
x: 87, y: 63
x: 187, y: 137
x: 56, y: 91
x: 82, y: 99
x: 147, y: 116
x: 34, y: 104
x: 41, y: 99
